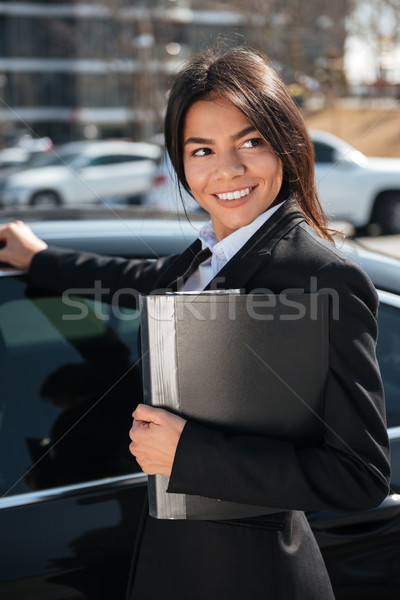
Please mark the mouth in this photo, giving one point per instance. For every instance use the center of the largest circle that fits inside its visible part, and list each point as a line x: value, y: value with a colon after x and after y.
x: 236, y: 194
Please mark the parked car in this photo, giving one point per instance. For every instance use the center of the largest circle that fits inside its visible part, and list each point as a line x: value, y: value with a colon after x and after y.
x: 164, y: 192
x: 24, y: 152
x: 84, y: 172
x: 24, y: 155
x: 71, y: 494
x: 356, y: 188
x: 11, y: 158
x: 352, y: 187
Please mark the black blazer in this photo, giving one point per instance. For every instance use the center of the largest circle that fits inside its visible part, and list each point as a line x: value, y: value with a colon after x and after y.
x: 349, y: 471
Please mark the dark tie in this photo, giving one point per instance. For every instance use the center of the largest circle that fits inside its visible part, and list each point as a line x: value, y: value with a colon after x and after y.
x: 200, y: 257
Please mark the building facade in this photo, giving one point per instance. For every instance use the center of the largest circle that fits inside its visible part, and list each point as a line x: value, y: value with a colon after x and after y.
x: 102, y: 68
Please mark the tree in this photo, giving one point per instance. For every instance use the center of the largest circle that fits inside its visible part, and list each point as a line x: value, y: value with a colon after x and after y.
x: 378, y: 23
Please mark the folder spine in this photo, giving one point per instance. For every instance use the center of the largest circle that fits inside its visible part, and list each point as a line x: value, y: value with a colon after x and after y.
x: 160, y: 389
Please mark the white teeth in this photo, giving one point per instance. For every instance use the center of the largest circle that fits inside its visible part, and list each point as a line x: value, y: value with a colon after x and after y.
x: 235, y: 195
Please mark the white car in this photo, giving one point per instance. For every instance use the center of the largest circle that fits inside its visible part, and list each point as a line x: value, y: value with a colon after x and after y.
x: 165, y: 193
x: 25, y: 153
x: 352, y: 187
x: 356, y: 188
x: 84, y: 172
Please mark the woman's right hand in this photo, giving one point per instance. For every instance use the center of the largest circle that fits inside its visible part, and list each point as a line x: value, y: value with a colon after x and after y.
x: 18, y: 244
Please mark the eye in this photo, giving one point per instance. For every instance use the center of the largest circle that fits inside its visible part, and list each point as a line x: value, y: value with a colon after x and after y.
x: 201, y: 152
x: 253, y: 143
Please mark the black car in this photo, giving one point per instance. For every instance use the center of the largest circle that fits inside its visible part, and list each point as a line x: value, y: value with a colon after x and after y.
x: 71, y: 493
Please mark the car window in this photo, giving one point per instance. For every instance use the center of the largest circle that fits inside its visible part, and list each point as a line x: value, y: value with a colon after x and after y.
x: 388, y: 352
x: 10, y: 164
x: 56, y: 159
x: 68, y: 389
x: 108, y: 159
x: 132, y: 158
x: 112, y: 159
x: 323, y: 152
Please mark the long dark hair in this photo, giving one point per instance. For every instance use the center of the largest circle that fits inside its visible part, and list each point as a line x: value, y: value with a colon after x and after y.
x: 244, y: 77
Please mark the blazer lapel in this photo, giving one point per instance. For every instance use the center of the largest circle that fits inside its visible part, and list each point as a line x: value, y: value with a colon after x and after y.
x: 178, y: 266
x: 255, y: 253
x: 258, y: 249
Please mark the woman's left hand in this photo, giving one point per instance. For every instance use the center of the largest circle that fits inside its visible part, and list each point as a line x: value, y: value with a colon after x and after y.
x: 155, y: 435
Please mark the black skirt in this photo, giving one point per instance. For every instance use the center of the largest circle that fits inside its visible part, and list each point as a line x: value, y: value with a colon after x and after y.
x: 272, y: 557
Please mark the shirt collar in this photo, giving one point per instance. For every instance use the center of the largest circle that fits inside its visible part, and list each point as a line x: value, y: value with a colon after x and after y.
x: 236, y: 240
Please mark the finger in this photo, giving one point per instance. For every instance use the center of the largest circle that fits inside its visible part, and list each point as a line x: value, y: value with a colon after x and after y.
x: 136, y: 427
x: 147, y: 413
x: 132, y: 449
x: 4, y: 228
x: 4, y: 235
x: 7, y: 229
x: 21, y: 244
x: 4, y: 250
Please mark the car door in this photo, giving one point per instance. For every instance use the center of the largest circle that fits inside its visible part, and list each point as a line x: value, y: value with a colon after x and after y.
x: 118, y: 174
x: 362, y: 550
x: 71, y: 493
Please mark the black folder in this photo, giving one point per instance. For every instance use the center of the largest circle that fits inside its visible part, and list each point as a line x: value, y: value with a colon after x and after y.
x: 251, y: 364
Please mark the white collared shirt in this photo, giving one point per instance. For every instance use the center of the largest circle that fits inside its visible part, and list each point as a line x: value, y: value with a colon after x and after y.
x: 223, y: 251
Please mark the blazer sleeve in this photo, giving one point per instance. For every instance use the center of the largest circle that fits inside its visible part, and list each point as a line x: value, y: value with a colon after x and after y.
x: 350, y: 470
x: 110, y: 279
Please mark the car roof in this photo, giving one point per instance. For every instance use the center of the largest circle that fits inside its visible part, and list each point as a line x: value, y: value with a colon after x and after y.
x: 138, y: 234
x: 330, y: 138
x: 140, y: 237
x: 113, y: 146
x: 382, y: 269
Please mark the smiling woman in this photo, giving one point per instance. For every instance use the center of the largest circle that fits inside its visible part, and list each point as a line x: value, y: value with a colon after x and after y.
x: 232, y: 171
x: 248, y: 83
x: 240, y: 147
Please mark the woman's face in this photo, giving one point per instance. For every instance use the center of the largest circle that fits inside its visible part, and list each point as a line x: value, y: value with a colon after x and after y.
x: 231, y: 170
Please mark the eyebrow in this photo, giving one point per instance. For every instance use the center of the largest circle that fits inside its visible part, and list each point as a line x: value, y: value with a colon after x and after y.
x: 234, y: 137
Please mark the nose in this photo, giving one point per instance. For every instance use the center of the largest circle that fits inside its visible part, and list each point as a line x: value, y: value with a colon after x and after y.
x: 229, y: 165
